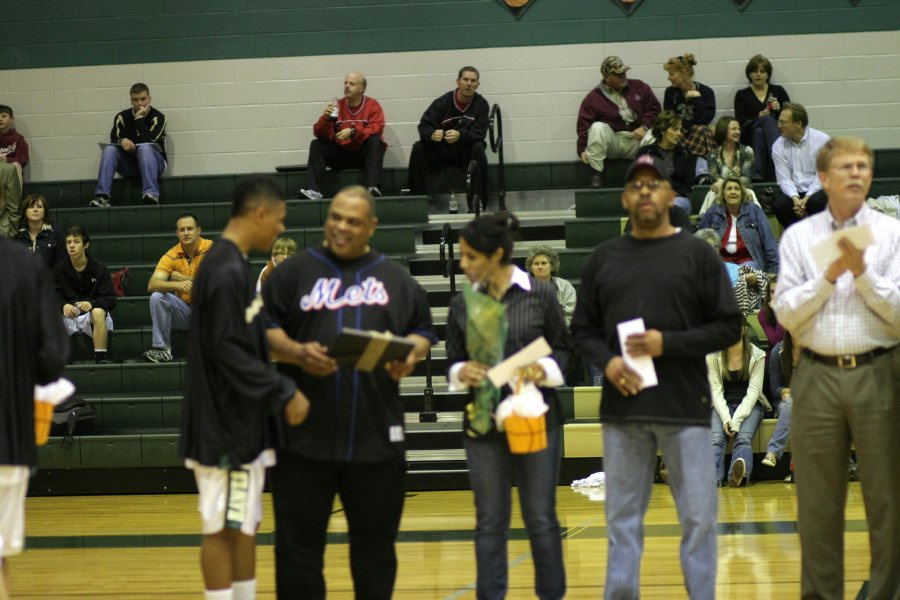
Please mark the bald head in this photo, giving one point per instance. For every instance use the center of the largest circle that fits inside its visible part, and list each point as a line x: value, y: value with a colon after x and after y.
x: 354, y: 87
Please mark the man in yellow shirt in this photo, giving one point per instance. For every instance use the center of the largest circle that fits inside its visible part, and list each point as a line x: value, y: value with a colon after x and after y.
x: 170, y: 286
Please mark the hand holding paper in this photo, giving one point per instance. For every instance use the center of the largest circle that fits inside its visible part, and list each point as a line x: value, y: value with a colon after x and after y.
x: 827, y: 251
x: 642, y: 365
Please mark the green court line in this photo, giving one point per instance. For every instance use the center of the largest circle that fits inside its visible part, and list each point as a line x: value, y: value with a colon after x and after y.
x: 425, y: 536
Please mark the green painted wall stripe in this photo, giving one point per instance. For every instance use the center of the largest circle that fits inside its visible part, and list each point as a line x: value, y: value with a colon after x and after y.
x: 58, y: 33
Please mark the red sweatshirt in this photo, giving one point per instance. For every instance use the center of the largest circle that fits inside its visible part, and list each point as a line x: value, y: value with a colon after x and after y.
x: 13, y: 147
x: 367, y: 119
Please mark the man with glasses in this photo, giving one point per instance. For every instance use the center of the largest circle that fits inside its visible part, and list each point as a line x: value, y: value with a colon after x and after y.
x: 675, y: 282
x: 846, y: 317
x: 614, y: 118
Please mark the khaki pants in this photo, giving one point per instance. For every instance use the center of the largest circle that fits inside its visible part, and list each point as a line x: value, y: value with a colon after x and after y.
x: 10, y: 198
x: 603, y: 143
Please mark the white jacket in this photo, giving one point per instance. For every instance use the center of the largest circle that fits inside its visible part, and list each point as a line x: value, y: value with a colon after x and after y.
x: 714, y: 370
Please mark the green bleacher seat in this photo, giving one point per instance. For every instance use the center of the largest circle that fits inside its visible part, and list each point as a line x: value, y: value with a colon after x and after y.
x: 587, y: 233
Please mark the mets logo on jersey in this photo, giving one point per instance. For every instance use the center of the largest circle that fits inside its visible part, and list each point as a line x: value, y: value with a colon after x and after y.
x: 327, y: 294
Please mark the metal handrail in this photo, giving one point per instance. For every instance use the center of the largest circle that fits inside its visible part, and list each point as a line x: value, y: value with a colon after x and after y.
x: 497, y: 147
x: 428, y: 415
x: 446, y: 256
x: 470, y: 195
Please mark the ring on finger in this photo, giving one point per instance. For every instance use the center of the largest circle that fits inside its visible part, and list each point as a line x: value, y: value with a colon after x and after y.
x: 622, y: 381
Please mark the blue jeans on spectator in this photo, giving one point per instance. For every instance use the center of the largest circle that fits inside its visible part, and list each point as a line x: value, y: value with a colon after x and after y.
x: 146, y: 162
x: 782, y: 431
x: 765, y: 134
x: 742, y: 447
x: 629, y: 459
x: 168, y: 312
x: 492, y: 470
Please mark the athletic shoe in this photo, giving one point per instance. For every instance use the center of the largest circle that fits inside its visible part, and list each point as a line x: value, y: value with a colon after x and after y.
x: 150, y: 199
x: 158, y: 355
x: 597, y: 180
x: 100, y: 201
x: 375, y: 191
x: 770, y: 460
x: 311, y: 194
x: 737, y: 473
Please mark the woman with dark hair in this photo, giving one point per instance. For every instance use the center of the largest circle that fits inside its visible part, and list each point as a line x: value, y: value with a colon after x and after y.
x: 531, y: 311
x: 757, y: 108
x: 774, y: 330
x: 730, y: 158
x: 782, y: 361
x: 736, y: 380
x: 667, y: 131
x: 693, y: 102
x: 37, y: 233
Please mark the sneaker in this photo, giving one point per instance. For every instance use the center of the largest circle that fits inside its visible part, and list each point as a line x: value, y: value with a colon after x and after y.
x: 158, y: 355
x: 770, y: 460
x: 311, y: 194
x: 150, y: 199
x: 737, y: 473
x: 100, y: 201
x: 703, y: 179
x: 375, y: 191
x: 597, y: 180
x: 102, y: 361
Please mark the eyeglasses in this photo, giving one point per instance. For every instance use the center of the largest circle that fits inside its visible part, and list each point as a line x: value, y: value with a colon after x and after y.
x: 637, y: 186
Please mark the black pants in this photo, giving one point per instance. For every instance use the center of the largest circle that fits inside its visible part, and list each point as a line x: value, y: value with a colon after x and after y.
x: 784, y: 206
x: 372, y: 496
x: 330, y: 154
x: 426, y: 155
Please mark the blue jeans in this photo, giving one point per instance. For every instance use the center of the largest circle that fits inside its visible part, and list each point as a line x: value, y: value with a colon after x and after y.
x: 492, y: 471
x: 742, y: 447
x: 168, y: 312
x: 629, y: 458
x: 782, y: 431
x: 146, y: 162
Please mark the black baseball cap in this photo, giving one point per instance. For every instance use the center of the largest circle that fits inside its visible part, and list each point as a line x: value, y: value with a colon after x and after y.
x: 651, y: 162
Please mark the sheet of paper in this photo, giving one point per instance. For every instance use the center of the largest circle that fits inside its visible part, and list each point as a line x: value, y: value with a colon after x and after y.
x: 643, y: 365
x: 827, y: 251
x: 500, y: 374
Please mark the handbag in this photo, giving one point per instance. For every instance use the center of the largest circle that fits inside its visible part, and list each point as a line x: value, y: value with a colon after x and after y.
x: 120, y: 279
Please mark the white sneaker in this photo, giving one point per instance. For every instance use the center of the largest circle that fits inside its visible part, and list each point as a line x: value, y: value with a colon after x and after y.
x: 311, y: 194
x: 770, y: 459
x: 99, y: 201
x: 158, y: 355
x: 737, y: 473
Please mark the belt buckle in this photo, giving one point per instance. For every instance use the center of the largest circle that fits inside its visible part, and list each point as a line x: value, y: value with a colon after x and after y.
x: 847, y: 361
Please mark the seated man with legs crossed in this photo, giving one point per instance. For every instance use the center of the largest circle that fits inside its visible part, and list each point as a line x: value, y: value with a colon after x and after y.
x: 171, y: 284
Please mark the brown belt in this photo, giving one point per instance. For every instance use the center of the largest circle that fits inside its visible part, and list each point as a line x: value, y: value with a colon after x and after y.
x: 847, y: 361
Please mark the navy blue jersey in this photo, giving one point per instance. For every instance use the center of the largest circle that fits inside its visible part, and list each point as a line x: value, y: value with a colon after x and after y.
x: 354, y: 416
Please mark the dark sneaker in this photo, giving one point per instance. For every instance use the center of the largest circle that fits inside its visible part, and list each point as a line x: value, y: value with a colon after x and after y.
x: 597, y: 180
x: 311, y: 194
x: 100, y: 201
x: 375, y: 191
x: 150, y: 199
x: 737, y: 473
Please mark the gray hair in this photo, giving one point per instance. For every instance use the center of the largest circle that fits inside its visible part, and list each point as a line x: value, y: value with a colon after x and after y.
x: 543, y: 250
x: 709, y: 235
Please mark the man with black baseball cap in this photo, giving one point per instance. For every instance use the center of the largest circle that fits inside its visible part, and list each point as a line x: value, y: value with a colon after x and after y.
x: 675, y: 283
x: 614, y: 117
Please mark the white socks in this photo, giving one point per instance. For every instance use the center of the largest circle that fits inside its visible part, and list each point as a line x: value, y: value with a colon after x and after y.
x: 244, y: 590
x: 218, y: 594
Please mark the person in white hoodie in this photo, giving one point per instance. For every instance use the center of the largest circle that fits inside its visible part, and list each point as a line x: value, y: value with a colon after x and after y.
x: 736, y: 381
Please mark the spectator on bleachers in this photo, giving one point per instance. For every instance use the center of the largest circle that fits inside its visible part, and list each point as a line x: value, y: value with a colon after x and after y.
x: 85, y: 292
x: 347, y: 135
x: 137, y: 148
x: 37, y: 233
x: 736, y: 380
x: 799, y: 191
x: 282, y: 249
x: 743, y: 226
x: 543, y: 264
x: 680, y: 164
x: 13, y: 158
x: 452, y: 132
x: 531, y: 311
x: 695, y: 105
x: 782, y: 362
x: 729, y: 159
x: 171, y: 284
x: 768, y: 320
x: 614, y: 118
x: 757, y: 108
x: 749, y: 283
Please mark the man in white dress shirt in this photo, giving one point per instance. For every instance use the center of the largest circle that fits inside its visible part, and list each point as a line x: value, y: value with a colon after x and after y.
x: 846, y: 385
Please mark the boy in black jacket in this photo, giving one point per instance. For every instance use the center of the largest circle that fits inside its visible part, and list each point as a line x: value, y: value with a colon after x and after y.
x: 85, y: 292
x: 137, y: 147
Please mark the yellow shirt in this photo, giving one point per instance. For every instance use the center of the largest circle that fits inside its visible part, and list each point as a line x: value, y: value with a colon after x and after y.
x: 176, y: 260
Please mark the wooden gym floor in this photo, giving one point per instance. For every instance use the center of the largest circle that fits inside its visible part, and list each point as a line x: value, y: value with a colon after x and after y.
x: 146, y: 547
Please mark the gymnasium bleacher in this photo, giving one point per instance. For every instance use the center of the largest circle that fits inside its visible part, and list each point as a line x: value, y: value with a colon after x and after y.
x: 134, y: 445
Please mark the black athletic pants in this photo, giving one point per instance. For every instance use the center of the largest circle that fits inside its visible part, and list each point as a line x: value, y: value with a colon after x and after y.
x: 330, y: 154
x: 439, y: 154
x: 372, y: 497
x: 784, y: 206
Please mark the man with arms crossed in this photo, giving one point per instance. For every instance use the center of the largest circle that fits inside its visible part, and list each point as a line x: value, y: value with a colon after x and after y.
x: 170, y: 286
x: 676, y: 283
x: 846, y: 384
x: 352, y: 445
x: 233, y: 393
x: 35, y: 349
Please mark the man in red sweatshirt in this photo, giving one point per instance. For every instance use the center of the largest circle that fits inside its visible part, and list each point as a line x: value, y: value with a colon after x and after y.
x: 614, y: 117
x: 13, y: 158
x: 348, y: 135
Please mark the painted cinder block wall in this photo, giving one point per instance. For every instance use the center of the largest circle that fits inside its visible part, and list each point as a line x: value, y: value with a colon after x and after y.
x: 242, y: 82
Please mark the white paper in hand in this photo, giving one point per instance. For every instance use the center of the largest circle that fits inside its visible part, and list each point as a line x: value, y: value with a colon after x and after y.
x: 827, y: 251
x: 643, y: 365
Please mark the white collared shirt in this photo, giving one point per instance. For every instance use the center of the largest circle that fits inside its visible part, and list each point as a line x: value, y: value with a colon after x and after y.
x: 795, y: 163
